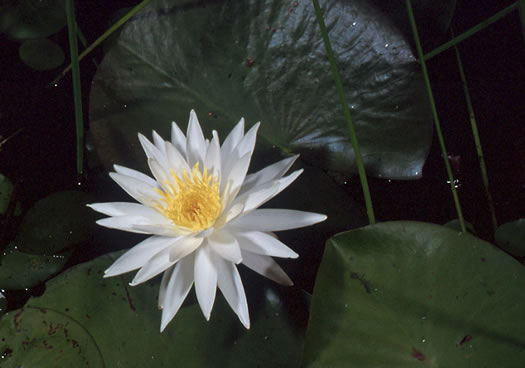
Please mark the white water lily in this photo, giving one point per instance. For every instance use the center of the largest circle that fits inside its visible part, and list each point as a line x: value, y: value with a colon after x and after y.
x: 202, y: 212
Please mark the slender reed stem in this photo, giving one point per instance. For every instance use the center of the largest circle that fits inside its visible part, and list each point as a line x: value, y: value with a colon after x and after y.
x: 436, y: 119
x: 472, y: 30
x: 346, y: 111
x: 477, y: 142
x: 77, y: 92
x: 105, y: 35
x: 521, y: 8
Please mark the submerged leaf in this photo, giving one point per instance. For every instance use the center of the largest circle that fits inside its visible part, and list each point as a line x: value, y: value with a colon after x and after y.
x: 41, y: 54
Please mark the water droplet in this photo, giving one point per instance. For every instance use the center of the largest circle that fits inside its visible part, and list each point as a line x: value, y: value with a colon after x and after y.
x: 423, y: 340
x: 346, y: 305
x: 386, y: 45
x: 389, y: 180
x: 55, y: 85
x: 266, y: 338
x: 353, y: 24
x: 125, y: 106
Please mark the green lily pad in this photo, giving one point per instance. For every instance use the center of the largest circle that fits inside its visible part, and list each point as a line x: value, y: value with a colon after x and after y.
x: 124, y: 323
x: 41, y: 54
x: 27, y: 19
x: 408, y: 294
x: 511, y: 237
x: 57, y: 222
x: 19, y: 270
x: 41, y: 337
x: 6, y: 189
x: 265, y: 60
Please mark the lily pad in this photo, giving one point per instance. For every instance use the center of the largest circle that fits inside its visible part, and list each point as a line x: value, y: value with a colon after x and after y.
x: 55, y: 223
x: 124, y: 323
x: 408, y: 294
x: 40, y: 337
x: 27, y: 19
x: 511, y: 237
x: 41, y: 54
x: 19, y: 270
x: 265, y: 60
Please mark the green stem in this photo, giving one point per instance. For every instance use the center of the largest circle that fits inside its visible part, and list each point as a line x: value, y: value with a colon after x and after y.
x: 471, y: 31
x: 477, y: 141
x: 346, y: 111
x: 521, y: 8
x: 77, y: 92
x: 105, y: 35
x: 435, y: 114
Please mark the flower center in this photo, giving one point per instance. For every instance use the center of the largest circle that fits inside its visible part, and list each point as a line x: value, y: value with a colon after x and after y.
x: 194, y: 202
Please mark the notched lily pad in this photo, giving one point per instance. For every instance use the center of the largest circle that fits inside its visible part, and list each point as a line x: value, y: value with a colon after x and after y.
x: 57, y: 222
x: 265, y: 60
x: 111, y: 311
x: 19, y: 270
x: 407, y: 294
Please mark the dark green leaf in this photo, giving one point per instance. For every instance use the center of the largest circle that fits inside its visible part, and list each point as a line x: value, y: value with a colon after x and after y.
x: 19, y: 270
x: 27, y: 19
x: 511, y: 237
x: 41, y: 54
x: 57, y: 222
x: 407, y: 294
x: 41, y: 337
x: 265, y: 60
x: 124, y: 323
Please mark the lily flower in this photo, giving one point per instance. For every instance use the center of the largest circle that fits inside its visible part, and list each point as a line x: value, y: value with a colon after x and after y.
x: 202, y: 210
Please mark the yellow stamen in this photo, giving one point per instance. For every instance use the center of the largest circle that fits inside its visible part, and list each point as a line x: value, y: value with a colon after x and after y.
x: 194, y: 202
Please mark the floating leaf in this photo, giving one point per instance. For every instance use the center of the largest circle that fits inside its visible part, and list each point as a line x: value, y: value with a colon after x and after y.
x: 124, y: 323
x: 19, y: 270
x: 265, y: 60
x: 41, y: 54
x: 27, y: 19
x: 57, y: 222
x: 408, y: 294
x: 511, y: 237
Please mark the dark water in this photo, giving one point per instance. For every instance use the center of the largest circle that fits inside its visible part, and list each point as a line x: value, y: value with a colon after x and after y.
x: 41, y: 158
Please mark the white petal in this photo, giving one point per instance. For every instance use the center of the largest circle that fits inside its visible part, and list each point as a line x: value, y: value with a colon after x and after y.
x: 264, y: 244
x: 123, y: 209
x: 268, y: 174
x: 178, y: 139
x: 136, y: 188
x: 195, y: 143
x: 137, y: 256
x: 234, y: 177
x: 176, y: 160
x: 230, y: 284
x: 266, y: 267
x: 184, y: 247
x: 159, y: 142
x: 178, y: 288
x: 229, y: 214
x: 164, y: 285
x: 232, y: 140
x: 247, y: 143
x: 155, y: 265
x: 261, y: 194
x: 269, y: 219
x: 205, y: 279
x: 162, y: 229
x: 212, y: 160
x: 137, y: 175
x: 225, y: 245
x: 152, y: 151
x: 134, y: 224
